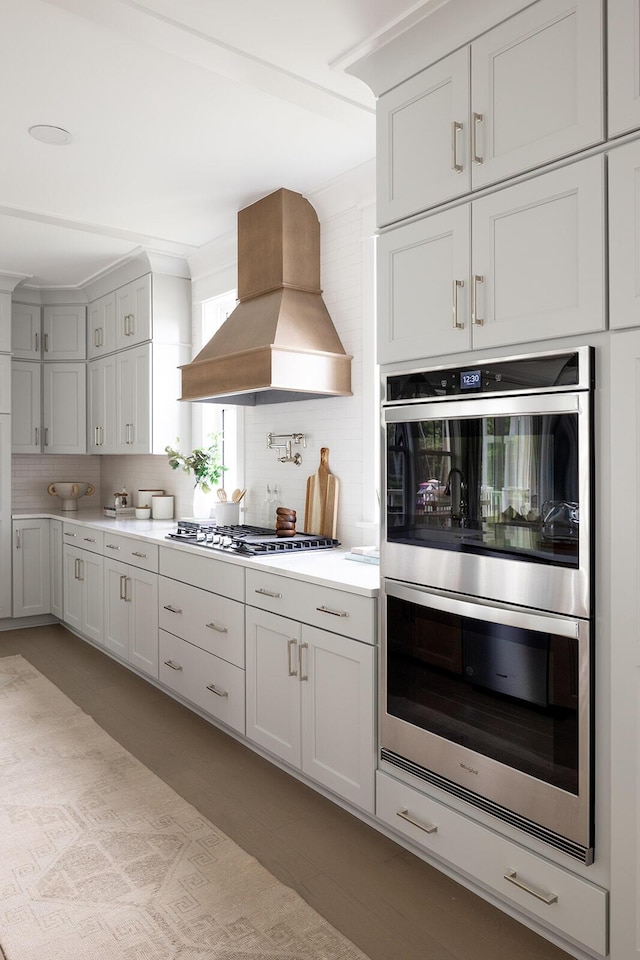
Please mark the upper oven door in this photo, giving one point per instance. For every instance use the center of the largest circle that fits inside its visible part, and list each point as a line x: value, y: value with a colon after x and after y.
x: 491, y: 497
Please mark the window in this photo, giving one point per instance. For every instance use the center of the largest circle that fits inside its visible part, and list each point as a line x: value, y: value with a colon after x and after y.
x: 211, y: 418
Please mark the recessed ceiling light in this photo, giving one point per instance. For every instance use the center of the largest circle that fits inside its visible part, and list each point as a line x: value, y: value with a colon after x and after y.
x: 56, y: 136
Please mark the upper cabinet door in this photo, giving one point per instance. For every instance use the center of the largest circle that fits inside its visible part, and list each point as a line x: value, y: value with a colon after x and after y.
x: 422, y: 133
x: 64, y: 333
x: 624, y: 65
x: 25, y: 331
x: 624, y: 236
x: 538, y: 258
x: 64, y: 387
x: 536, y: 88
x: 101, y: 326
x: 133, y: 313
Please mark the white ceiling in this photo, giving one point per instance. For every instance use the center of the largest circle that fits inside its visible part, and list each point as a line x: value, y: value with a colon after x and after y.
x: 182, y: 112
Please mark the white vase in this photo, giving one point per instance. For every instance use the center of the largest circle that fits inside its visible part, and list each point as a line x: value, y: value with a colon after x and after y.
x: 203, y: 503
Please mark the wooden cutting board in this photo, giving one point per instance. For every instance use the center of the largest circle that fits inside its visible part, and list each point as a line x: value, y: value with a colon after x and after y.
x: 321, y: 507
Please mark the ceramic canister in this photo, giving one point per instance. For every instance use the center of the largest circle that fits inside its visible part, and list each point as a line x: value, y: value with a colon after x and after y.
x: 162, y: 508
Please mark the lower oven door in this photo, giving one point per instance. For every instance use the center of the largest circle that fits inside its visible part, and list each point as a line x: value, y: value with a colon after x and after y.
x: 493, y: 704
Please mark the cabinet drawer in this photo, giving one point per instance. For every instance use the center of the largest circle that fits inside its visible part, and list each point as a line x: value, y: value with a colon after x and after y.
x: 575, y: 906
x: 213, y: 623
x: 212, y: 684
x: 139, y: 553
x: 83, y: 537
x: 226, y: 579
x: 348, y: 614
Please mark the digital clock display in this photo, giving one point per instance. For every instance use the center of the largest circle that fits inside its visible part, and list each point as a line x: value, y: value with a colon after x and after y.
x: 470, y: 379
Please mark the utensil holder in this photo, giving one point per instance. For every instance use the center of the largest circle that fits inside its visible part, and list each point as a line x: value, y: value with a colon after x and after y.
x: 227, y: 514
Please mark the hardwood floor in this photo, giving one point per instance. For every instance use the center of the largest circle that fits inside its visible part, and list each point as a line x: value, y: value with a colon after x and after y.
x: 388, y: 902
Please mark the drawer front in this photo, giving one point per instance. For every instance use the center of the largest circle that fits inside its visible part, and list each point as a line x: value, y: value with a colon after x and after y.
x: 208, y: 573
x: 348, y: 614
x: 84, y: 537
x: 218, y: 688
x: 553, y: 896
x: 174, y: 663
x: 213, y: 623
x: 138, y: 553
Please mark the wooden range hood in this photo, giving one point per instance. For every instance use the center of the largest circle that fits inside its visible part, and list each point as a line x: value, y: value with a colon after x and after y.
x: 279, y: 343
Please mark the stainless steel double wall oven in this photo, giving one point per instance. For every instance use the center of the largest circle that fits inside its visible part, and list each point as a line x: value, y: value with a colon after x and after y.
x: 487, y: 686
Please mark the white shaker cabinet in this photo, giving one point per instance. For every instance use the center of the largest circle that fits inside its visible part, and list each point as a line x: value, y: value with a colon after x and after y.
x: 623, y: 26
x: 133, y: 378
x: 133, y: 312
x: 101, y: 326
x: 56, y: 568
x: 102, y: 405
x: 131, y: 614
x: 83, y: 591
x: 536, y: 269
x: 31, y: 578
x: 64, y: 391
x: 624, y: 236
x: 64, y: 332
x: 310, y: 701
x: 26, y: 324
x: 535, y: 96
x: 26, y: 406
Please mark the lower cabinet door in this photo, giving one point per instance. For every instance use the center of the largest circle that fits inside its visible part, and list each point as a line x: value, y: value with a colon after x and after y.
x: 56, y: 567
x: 31, y: 587
x: 72, y: 588
x: 338, y: 728
x: 142, y: 600
x: 116, y: 609
x: 92, y: 572
x: 273, y: 684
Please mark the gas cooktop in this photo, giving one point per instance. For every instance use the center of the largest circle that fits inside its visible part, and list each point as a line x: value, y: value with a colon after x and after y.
x: 246, y: 540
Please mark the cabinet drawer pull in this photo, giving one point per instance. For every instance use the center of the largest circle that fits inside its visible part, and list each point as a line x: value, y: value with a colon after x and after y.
x: 511, y: 876
x: 37, y: 437
x: 112, y: 546
x: 334, y: 613
x: 89, y: 539
x: 36, y: 342
x: 290, y: 645
x: 135, y: 553
x: 456, y: 128
x: 123, y: 587
x: 456, y: 323
x: 218, y: 693
x: 215, y: 626
x: 268, y: 593
x: 427, y: 827
x: 475, y: 280
x: 46, y: 343
x: 174, y: 666
x: 171, y: 609
x: 475, y: 156
x: 67, y: 534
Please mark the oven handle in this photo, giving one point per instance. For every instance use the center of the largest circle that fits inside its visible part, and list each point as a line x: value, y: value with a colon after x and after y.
x: 478, y: 406
x: 491, y: 612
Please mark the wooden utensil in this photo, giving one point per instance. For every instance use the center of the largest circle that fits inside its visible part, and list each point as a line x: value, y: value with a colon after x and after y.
x: 321, y: 507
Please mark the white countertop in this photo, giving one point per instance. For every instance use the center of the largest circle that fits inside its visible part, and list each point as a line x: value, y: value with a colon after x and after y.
x: 326, y: 567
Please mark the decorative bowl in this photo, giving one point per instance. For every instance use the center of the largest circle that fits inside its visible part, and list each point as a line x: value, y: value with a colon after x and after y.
x: 70, y: 491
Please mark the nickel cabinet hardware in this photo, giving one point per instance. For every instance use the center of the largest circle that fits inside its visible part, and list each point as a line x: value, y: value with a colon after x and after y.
x: 427, y: 827
x: 511, y: 876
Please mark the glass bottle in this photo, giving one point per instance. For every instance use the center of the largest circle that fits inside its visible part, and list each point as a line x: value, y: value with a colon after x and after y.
x: 268, y: 511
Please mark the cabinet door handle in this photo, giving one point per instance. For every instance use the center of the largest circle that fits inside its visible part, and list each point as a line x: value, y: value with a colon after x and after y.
x: 269, y: 593
x: 37, y: 343
x: 37, y: 437
x: 18, y: 544
x: 101, y: 429
x: 81, y: 568
x: 95, y: 437
x: 475, y: 156
x: 46, y: 343
x: 124, y: 579
x: 96, y: 338
x: 46, y: 436
x: 76, y: 575
x: 293, y: 672
x: 427, y: 827
x: 333, y: 613
x: 475, y: 280
x: 215, y: 626
x: 303, y: 675
x: 174, y: 666
x: 171, y: 609
x: 456, y: 128
x: 218, y: 693
x: 511, y: 876
x: 456, y: 323
x: 136, y: 553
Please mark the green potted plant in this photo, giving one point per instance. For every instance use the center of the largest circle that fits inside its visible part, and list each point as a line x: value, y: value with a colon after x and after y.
x: 204, y: 462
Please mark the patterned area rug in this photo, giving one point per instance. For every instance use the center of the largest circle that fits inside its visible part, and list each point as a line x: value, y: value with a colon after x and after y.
x: 101, y: 860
